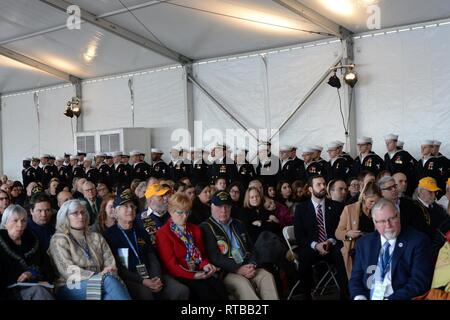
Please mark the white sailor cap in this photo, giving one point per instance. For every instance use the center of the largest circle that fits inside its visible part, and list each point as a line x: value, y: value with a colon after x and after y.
x: 117, y: 154
x: 26, y: 159
x: 156, y: 150
x: 179, y: 148
x: 308, y: 150
x: 400, y: 143
x: 339, y: 143
x: 135, y: 153
x: 59, y: 159
x: 437, y: 143
x: 427, y: 143
x: 391, y: 136
x: 45, y: 155
x: 89, y: 158
x: 364, y: 140
x: 75, y: 157
x: 285, y: 147
x: 317, y: 148
x: 126, y: 155
x: 109, y: 155
x: 101, y: 154
x: 333, y: 145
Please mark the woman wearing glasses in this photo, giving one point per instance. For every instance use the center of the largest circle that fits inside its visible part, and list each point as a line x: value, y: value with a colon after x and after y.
x: 85, y: 265
x: 182, y: 252
x: 138, y: 264
x: 355, y: 221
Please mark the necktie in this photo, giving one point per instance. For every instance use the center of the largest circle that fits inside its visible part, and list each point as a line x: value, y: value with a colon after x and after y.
x: 385, y: 259
x: 94, y: 207
x: 321, y: 224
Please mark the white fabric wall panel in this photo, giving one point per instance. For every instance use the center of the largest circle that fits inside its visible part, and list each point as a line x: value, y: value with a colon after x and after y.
x: 56, y: 136
x: 106, y: 105
x: 262, y: 92
x: 20, y: 134
x: 403, y: 87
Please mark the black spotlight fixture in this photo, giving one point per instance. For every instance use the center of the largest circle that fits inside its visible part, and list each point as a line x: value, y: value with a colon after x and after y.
x: 68, y: 112
x: 350, y: 77
x: 334, y: 81
x: 73, y: 108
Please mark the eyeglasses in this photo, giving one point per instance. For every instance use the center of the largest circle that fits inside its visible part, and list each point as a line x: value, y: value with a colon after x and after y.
x: 90, y: 190
x: 180, y: 212
x: 390, y: 220
x: 394, y: 186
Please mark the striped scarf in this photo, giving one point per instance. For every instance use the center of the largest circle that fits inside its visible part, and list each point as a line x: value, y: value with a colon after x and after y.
x: 193, y: 256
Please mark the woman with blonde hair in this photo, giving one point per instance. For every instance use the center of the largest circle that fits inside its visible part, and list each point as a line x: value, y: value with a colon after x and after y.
x: 84, y: 263
x: 355, y: 221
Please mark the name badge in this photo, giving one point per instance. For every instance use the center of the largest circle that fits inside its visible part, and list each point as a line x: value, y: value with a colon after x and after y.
x: 142, y: 270
x: 378, y: 291
x: 237, y: 256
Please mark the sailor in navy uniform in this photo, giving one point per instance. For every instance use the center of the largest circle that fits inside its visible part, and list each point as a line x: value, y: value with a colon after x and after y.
x: 246, y: 170
x: 160, y: 168
x: 64, y: 175
x: 268, y: 165
x: 66, y: 159
x: 287, y: 167
x: 443, y: 166
x: 428, y: 165
x: 223, y: 166
x: 28, y: 172
x: 77, y: 170
x: 339, y: 167
x: 299, y: 165
x: 198, y: 169
x: 48, y: 171
x: 91, y: 173
x: 367, y: 160
x: 399, y: 161
x: 177, y: 168
x: 322, y: 165
x: 104, y: 171
x: 127, y: 169
x: 53, y: 169
x: 343, y: 154
x: 119, y: 173
x: 312, y: 168
x: 140, y: 170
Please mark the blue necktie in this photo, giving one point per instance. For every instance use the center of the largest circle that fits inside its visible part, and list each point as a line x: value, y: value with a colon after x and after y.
x: 385, y: 259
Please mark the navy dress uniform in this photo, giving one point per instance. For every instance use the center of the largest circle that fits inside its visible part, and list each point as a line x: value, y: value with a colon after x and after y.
x: 28, y: 172
x: 267, y: 170
x: 344, y: 154
x: 370, y: 162
x: 77, y: 171
x: 338, y: 165
x: 178, y: 169
x: 141, y: 169
x: 223, y: 167
x: 429, y: 166
x: 299, y: 166
x: 64, y: 175
x: 105, y: 172
x: 287, y: 170
x: 246, y: 171
x: 198, y: 169
x: 127, y: 169
x: 92, y: 174
x: 443, y: 167
x: 160, y: 168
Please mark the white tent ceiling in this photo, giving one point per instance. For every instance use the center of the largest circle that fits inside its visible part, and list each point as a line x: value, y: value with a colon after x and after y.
x: 197, y: 29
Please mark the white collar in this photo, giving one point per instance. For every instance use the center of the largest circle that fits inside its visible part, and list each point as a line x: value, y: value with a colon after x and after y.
x: 149, y: 211
x: 321, y: 203
x: 425, y: 204
x: 391, y: 242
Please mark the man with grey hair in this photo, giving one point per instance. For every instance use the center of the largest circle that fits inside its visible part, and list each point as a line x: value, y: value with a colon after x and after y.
x: 409, y: 212
x: 391, y: 263
x: 93, y: 202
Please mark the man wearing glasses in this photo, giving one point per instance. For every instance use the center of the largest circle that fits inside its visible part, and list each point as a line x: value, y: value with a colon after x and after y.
x: 409, y: 212
x: 391, y: 263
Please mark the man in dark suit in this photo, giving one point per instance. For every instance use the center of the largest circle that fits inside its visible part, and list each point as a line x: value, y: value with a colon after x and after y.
x: 391, y: 263
x: 93, y: 202
x: 315, y: 223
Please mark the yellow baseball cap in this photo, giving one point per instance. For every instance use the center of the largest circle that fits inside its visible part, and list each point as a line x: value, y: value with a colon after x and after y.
x: 429, y: 184
x: 155, y: 190
x: 448, y: 182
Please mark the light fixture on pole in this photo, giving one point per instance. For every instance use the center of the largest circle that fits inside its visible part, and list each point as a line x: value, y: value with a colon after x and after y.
x: 350, y: 76
x: 73, y: 108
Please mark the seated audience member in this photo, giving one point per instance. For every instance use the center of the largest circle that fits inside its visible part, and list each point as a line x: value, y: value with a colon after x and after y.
x: 52, y: 193
x: 106, y: 217
x: 229, y: 247
x: 22, y: 259
x: 258, y: 185
x: 63, y: 196
x: 392, y: 263
x: 102, y: 190
x: 156, y: 214
x: 4, y: 201
x: 78, y: 188
x: 201, y: 209
x: 76, y: 250
x: 40, y: 222
x: 337, y: 190
x: 270, y: 192
x: 284, y: 194
x: 186, y: 181
x: 140, y: 195
x: 138, y: 264
x: 283, y: 214
x: 255, y: 217
x: 190, y: 192
x: 182, y: 252
x: 409, y: 212
x: 444, y: 200
x: 315, y: 223
x: 363, y: 178
x: 402, y: 184
x: 17, y: 194
x: 236, y: 191
x: 353, y: 187
x: 220, y: 183
x: 300, y: 191
x: 433, y: 220
x: 93, y: 202
x: 382, y: 174
x: 356, y: 221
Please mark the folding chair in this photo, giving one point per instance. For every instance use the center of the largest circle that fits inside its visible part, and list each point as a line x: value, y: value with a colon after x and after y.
x: 324, y: 282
